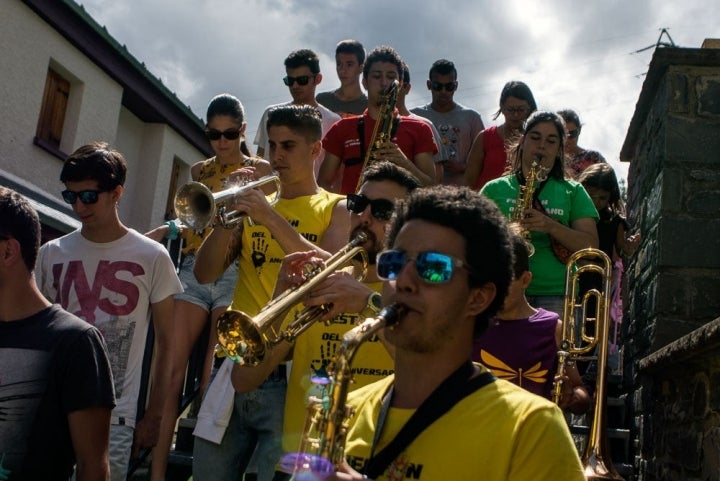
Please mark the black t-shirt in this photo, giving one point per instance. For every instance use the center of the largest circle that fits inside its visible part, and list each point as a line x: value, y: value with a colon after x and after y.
x: 51, y: 364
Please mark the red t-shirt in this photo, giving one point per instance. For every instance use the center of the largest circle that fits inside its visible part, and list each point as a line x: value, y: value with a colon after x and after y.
x: 343, y: 140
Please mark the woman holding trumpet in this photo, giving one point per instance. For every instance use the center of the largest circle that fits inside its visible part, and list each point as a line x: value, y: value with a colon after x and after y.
x: 225, y: 129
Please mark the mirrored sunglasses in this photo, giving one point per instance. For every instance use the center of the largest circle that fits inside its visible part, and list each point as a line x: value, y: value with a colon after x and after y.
x: 301, y: 80
x: 449, y: 86
x: 85, y: 196
x: 432, y: 267
x: 230, y: 134
x: 381, y: 209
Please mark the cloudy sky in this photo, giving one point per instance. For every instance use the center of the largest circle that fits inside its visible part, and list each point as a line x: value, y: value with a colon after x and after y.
x: 572, y: 54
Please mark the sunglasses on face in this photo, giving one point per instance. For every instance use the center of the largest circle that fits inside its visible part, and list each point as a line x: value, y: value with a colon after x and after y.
x: 573, y: 133
x: 301, y: 80
x: 449, y: 87
x: 85, y: 196
x: 432, y: 267
x: 381, y: 209
x: 230, y: 134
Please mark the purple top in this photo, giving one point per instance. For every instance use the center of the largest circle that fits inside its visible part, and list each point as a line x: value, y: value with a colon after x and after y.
x: 522, y: 351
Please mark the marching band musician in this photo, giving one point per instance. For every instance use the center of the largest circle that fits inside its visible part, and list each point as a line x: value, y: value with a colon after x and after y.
x: 351, y: 301
x: 305, y: 217
x: 440, y: 416
x: 410, y: 145
x: 563, y: 216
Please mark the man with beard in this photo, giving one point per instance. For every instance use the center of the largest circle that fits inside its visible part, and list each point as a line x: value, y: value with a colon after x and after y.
x: 351, y: 302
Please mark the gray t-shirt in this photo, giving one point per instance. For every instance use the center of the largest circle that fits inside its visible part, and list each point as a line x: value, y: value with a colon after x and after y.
x: 342, y: 107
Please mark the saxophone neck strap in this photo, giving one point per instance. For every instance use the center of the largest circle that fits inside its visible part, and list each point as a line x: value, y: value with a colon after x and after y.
x: 451, y: 391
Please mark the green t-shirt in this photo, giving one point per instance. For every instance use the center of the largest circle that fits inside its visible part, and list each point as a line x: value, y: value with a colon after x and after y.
x: 565, y: 201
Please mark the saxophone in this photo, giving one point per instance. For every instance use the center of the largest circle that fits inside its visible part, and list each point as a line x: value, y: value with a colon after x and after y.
x: 322, y: 447
x: 524, y: 200
x: 383, y: 127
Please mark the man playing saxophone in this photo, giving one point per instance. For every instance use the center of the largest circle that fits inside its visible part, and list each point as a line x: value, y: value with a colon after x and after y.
x: 349, y: 301
x: 440, y: 416
x: 349, y: 142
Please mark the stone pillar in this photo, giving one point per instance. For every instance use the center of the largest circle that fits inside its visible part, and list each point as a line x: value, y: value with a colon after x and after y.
x: 672, y: 284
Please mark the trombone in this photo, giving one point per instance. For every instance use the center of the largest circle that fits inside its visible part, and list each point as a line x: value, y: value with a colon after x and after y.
x: 246, y: 339
x: 197, y: 206
x: 576, y: 346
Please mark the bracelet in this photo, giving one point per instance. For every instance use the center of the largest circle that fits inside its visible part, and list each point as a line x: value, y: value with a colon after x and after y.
x: 173, y: 230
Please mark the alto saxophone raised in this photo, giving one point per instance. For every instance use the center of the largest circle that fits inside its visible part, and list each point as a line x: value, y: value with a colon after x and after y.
x: 322, y: 447
x: 524, y: 201
x: 383, y: 126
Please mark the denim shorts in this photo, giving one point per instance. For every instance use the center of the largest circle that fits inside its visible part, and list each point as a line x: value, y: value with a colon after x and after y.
x: 207, y: 296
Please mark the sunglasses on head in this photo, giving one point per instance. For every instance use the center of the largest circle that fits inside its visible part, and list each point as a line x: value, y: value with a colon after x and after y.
x: 85, y: 196
x: 230, y: 134
x: 381, y: 209
x: 449, y: 86
x: 573, y: 133
x: 432, y: 267
x: 301, y: 80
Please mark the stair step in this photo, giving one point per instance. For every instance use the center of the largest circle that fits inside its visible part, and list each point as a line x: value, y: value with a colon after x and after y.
x: 614, y: 433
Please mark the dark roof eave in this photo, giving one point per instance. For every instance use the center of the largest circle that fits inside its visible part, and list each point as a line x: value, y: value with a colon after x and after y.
x: 143, y: 94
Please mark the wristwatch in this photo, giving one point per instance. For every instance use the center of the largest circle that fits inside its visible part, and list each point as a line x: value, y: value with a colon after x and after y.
x: 373, y: 305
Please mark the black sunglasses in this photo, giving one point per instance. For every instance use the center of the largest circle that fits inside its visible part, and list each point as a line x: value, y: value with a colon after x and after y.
x: 230, y: 134
x: 449, y: 87
x: 573, y: 133
x: 381, y: 209
x: 85, y: 196
x: 301, y: 80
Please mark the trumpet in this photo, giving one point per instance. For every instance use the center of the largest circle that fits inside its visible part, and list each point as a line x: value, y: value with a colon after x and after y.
x: 197, y: 206
x: 577, y: 346
x: 246, y: 339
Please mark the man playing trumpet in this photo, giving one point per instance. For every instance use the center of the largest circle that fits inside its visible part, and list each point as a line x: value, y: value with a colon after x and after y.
x: 304, y: 217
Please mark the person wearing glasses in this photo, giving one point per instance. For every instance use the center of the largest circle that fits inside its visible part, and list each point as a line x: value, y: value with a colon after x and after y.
x: 119, y: 281
x: 302, y: 76
x: 458, y: 125
x: 448, y: 267
x: 348, y: 299
x: 579, y: 158
x: 411, y: 145
x: 231, y: 425
x: 348, y: 99
x: 199, y: 304
x: 562, y: 218
x: 487, y: 159
x: 56, y: 386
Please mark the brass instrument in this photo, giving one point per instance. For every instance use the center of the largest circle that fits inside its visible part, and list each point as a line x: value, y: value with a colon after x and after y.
x: 246, y: 339
x: 576, y: 346
x: 322, y: 448
x: 197, y: 206
x: 524, y: 200
x: 383, y: 126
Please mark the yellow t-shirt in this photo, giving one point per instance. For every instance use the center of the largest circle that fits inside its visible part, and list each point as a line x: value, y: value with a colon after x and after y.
x: 313, y: 352
x: 261, y: 255
x: 500, y: 432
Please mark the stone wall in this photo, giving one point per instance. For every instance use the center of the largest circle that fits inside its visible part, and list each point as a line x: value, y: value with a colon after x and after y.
x: 672, y: 284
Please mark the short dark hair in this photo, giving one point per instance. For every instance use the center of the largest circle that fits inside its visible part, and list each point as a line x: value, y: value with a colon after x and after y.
x: 383, y: 53
x: 96, y: 161
x: 442, y: 67
x: 521, y: 254
x: 303, y: 57
x: 569, y: 115
x: 515, y: 149
x: 302, y: 119
x: 478, y: 220
x: 406, y: 75
x: 353, y: 47
x: 519, y: 90
x: 20, y: 222
x: 384, y: 170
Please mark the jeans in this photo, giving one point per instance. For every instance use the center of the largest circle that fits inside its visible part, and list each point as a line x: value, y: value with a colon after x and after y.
x: 256, y: 421
x: 549, y: 303
x: 207, y: 296
x: 121, y: 440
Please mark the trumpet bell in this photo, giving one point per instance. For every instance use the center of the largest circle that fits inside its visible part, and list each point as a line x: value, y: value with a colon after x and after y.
x: 240, y: 338
x: 194, y: 205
